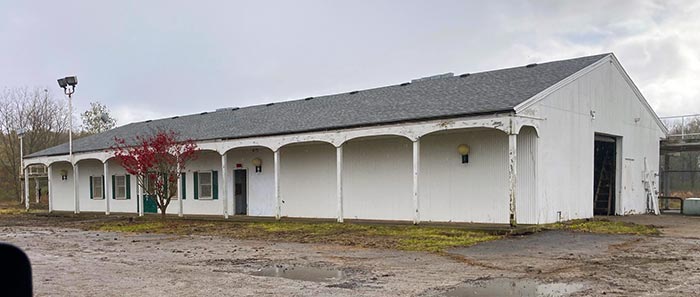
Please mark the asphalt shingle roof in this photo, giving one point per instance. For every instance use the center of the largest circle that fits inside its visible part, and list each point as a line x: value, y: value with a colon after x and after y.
x: 478, y: 93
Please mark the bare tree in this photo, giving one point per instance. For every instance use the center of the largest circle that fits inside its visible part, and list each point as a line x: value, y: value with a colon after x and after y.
x: 45, y: 122
x: 97, y: 119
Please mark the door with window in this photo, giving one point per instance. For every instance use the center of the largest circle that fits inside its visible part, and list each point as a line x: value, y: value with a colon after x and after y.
x: 240, y: 182
x: 149, y: 202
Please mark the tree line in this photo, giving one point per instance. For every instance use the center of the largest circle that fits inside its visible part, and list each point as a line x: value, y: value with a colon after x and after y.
x: 43, y: 118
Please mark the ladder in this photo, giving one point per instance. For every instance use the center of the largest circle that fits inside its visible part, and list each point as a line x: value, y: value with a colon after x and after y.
x: 652, y: 192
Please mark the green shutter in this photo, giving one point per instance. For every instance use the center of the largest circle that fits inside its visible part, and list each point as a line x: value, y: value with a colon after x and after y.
x: 214, y: 185
x: 128, y: 186
x: 183, y: 186
x: 104, y: 191
x: 114, y: 190
x: 91, y: 193
x: 196, y: 184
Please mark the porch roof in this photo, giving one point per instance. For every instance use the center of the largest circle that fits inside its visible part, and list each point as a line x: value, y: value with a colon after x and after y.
x: 442, y: 97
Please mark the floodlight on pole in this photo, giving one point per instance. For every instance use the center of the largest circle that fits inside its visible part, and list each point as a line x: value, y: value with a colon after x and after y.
x: 68, y: 84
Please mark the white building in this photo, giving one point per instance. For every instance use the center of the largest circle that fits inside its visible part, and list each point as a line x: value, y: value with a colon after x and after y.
x: 391, y: 153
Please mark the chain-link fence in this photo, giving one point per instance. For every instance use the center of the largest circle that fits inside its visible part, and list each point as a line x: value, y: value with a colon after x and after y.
x: 679, y: 174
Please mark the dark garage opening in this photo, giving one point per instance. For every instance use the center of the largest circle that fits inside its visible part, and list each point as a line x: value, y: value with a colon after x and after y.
x: 605, y: 158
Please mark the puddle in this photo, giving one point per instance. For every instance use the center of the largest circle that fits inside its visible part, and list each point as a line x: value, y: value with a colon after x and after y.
x: 512, y: 287
x: 302, y: 273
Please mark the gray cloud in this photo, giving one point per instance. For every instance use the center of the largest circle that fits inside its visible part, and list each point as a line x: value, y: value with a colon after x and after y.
x: 148, y: 59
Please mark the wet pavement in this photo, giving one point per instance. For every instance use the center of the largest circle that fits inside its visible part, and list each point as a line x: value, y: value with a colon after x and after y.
x: 503, y: 287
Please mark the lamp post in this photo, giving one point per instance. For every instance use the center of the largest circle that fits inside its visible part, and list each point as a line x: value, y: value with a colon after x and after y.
x: 68, y: 84
x: 20, y: 135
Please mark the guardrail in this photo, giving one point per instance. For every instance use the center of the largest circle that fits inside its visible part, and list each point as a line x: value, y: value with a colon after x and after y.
x: 683, y: 127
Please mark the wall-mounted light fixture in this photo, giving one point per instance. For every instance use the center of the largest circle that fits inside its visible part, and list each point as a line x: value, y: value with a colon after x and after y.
x: 258, y: 164
x: 463, y: 150
x: 64, y: 174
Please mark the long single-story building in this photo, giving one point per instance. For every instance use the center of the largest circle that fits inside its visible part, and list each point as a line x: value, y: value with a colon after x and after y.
x: 531, y: 144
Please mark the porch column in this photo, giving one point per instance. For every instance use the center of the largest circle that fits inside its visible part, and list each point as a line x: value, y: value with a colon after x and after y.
x: 224, y: 189
x: 339, y: 180
x: 37, y: 189
x: 278, y: 213
x: 139, y: 196
x: 76, y: 191
x: 512, y: 175
x: 179, y: 191
x: 50, y: 194
x: 26, y: 187
x: 108, y: 183
x: 416, y: 173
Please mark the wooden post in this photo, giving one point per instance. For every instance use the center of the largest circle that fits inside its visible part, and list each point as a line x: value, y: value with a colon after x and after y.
x: 76, y: 191
x: 179, y: 191
x: 108, y: 183
x: 26, y: 188
x: 224, y: 188
x: 512, y: 176
x: 50, y: 193
x: 339, y: 180
x: 139, y: 195
x: 278, y: 213
x: 416, y: 173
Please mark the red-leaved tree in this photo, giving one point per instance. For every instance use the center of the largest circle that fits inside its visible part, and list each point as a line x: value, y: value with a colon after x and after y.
x: 156, y: 161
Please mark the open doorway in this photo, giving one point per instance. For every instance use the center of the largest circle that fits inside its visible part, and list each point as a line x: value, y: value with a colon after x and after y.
x: 604, y: 175
x: 240, y: 182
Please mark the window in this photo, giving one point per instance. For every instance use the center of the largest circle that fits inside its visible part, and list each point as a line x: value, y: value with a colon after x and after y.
x: 97, y: 189
x: 205, y: 185
x: 120, y: 187
x: 171, y: 187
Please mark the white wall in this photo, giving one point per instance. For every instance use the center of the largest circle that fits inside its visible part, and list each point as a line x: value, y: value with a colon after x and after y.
x: 378, y: 178
x: 121, y: 205
x: 62, y: 189
x: 207, y: 161
x: 86, y: 169
x: 567, y: 143
x: 526, y: 201
x: 307, y: 180
x: 472, y: 192
x: 261, y: 185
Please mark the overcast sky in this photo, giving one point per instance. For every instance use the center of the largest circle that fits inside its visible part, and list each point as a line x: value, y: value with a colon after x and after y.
x: 150, y: 59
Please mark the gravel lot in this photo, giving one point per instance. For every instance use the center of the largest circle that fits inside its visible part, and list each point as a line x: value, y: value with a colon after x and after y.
x: 72, y: 262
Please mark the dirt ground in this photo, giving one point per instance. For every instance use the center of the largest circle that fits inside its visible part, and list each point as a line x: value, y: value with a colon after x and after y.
x: 68, y: 261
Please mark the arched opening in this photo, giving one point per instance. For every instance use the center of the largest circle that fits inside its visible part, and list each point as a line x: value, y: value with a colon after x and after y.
x: 37, y: 184
x: 378, y: 178
x: 200, y: 181
x: 250, y: 181
x: 464, y: 189
x: 61, y: 194
x: 526, y: 194
x: 307, y: 180
x: 122, y: 188
x: 91, y: 185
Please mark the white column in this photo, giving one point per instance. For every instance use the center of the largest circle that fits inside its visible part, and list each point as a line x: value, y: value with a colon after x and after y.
x: 76, y: 192
x: 36, y: 189
x: 339, y: 180
x: 224, y: 188
x: 179, y: 191
x: 108, y: 189
x: 49, y: 173
x: 512, y: 175
x: 139, y: 196
x: 26, y: 188
x: 416, y: 173
x: 278, y: 213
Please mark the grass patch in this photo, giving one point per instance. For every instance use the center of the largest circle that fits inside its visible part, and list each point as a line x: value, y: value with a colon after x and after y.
x: 605, y: 227
x: 402, y: 237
